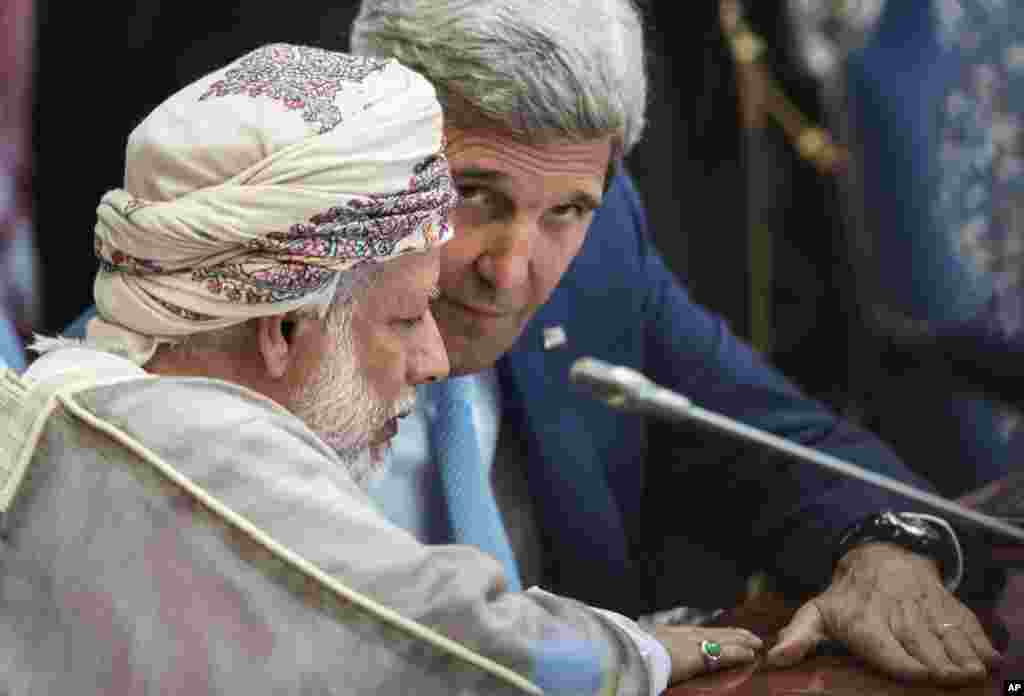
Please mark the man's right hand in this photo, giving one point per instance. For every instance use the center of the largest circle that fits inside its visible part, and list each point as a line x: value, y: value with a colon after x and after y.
x: 738, y: 647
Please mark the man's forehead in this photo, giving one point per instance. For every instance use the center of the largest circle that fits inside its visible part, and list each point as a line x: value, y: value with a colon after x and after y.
x: 495, y: 154
x: 407, y: 280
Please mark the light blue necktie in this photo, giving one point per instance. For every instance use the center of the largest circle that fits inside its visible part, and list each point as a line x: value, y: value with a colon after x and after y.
x: 472, y: 511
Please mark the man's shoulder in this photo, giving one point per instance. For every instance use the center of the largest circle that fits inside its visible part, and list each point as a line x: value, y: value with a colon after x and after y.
x: 235, y: 444
x: 97, y: 377
x: 190, y: 408
x: 181, y: 415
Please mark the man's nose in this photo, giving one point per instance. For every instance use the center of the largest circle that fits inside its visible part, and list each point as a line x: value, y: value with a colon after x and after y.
x: 431, y: 363
x: 505, y: 262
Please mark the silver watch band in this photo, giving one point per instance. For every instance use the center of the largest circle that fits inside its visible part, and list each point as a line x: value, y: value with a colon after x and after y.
x: 955, y: 576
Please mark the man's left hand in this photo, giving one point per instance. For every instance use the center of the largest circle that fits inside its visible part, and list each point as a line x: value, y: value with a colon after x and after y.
x: 890, y: 608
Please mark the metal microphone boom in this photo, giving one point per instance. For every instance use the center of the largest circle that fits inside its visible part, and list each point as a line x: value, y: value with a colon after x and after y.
x: 627, y: 389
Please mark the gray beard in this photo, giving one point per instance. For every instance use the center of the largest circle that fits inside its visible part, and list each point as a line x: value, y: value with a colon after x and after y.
x: 337, y: 402
x: 363, y: 463
x: 341, y: 407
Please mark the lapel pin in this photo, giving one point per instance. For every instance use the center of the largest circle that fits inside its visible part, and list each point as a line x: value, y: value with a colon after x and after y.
x: 554, y: 337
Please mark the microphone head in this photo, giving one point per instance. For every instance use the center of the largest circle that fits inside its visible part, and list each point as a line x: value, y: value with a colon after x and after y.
x: 609, y: 383
x: 584, y: 367
x: 593, y: 376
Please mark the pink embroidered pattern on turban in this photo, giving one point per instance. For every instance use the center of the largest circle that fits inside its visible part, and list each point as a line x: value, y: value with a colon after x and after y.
x: 249, y: 190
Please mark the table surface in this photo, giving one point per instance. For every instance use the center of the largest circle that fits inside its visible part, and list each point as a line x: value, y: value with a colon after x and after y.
x: 849, y: 676
x: 832, y: 676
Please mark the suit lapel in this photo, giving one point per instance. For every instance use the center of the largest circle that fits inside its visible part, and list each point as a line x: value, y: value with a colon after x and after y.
x: 581, y: 526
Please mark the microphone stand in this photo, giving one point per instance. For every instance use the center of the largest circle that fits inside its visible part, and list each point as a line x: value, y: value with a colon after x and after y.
x: 627, y: 389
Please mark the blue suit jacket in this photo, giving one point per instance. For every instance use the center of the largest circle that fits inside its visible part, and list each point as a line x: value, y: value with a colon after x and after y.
x: 600, y: 494
x: 598, y: 490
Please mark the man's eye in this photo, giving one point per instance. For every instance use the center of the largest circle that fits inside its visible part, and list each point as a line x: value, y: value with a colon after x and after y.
x: 474, y: 195
x: 570, y: 210
x: 410, y: 323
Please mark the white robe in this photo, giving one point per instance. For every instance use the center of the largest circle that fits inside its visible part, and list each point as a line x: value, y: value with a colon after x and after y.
x: 115, y: 579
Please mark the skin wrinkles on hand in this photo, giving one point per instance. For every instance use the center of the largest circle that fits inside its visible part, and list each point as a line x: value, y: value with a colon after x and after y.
x: 890, y: 607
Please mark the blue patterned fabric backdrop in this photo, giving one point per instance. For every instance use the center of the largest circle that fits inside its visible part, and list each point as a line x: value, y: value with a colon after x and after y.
x: 981, y: 159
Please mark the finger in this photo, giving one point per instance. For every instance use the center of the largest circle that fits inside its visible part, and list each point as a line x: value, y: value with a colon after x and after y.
x: 950, y: 621
x: 961, y: 651
x: 733, y: 655
x: 875, y: 642
x: 693, y: 662
x: 982, y: 645
x: 683, y: 645
x: 913, y: 630
x: 799, y: 637
x: 739, y: 636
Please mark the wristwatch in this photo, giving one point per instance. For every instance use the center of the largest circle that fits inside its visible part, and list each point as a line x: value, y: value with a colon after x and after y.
x: 923, y: 534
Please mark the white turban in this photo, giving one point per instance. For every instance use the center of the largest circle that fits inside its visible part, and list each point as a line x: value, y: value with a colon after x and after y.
x: 249, y: 190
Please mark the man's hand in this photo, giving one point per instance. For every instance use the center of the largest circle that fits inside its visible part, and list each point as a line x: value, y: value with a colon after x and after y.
x: 889, y: 607
x: 683, y: 645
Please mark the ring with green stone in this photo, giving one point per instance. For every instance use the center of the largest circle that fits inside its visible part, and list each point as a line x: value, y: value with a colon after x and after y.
x: 711, y: 652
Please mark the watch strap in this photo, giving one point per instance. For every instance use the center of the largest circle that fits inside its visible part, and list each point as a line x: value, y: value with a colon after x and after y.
x: 920, y: 533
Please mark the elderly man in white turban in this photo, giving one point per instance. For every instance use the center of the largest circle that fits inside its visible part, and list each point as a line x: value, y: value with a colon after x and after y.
x: 181, y: 499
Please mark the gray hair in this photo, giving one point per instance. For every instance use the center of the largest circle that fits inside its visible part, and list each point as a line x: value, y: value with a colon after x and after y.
x: 572, y: 68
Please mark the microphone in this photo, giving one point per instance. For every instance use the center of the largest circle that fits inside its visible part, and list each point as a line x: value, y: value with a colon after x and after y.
x: 625, y: 388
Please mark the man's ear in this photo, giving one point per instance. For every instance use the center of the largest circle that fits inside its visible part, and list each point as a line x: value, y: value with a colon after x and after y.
x: 274, y: 337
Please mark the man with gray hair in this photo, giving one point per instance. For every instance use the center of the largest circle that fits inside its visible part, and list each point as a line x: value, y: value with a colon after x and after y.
x: 181, y: 499
x: 542, y: 100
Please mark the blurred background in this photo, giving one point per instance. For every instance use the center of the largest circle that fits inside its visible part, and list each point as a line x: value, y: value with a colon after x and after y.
x: 101, y: 69
x: 841, y: 180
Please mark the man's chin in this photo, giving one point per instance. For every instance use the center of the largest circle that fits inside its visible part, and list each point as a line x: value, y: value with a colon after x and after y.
x: 360, y: 461
x: 466, y: 355
x: 474, y: 344
x: 378, y: 453
x: 362, y: 465
x: 342, y: 446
